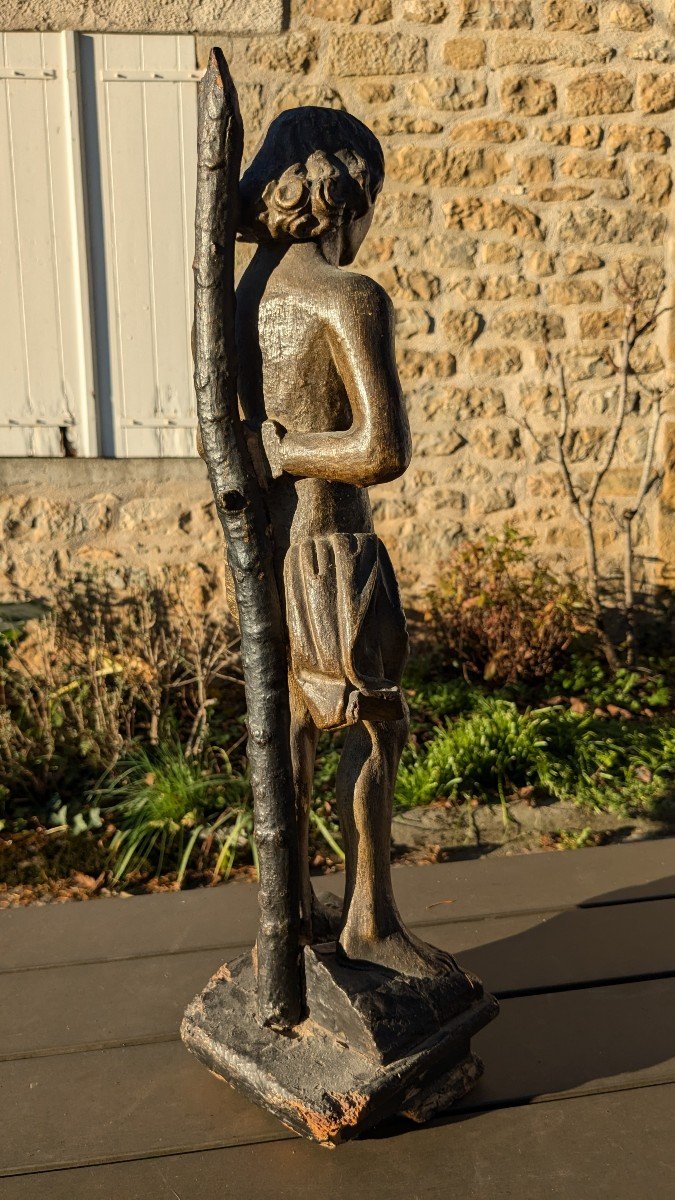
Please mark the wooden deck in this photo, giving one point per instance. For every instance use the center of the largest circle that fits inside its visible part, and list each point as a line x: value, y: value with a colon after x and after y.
x: 99, y: 1098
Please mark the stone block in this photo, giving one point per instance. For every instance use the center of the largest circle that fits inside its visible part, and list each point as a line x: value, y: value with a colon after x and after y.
x: 464, y: 53
x: 366, y: 12
x: 374, y: 53
x: 292, y: 52
x: 446, y: 167
x: 651, y: 181
x: 469, y: 403
x: 453, y: 250
x: 495, y: 442
x: 387, y: 124
x: 495, y: 14
x: 643, y: 138
x: 601, y: 226
x: 536, y: 170
x: 656, y: 93
x: 541, y: 262
x: 527, y: 96
x: 652, y: 49
x: 509, y: 287
x: 632, y: 15
x: 375, y: 91
x: 530, y: 50
x: 601, y: 324
x: 462, y: 326
x: 409, y: 283
x: 575, y: 16
x: 438, y: 443
x: 475, y: 215
x: 300, y: 94
x: 405, y: 210
x: 425, y: 364
x: 590, y: 166
x: 495, y: 360
x: 560, y: 195
x: 576, y: 261
x: 587, y: 137
x: 500, y: 252
x: 425, y: 12
x: 412, y: 321
x: 449, y: 93
x: 574, y: 291
x: 470, y: 287
x: 607, y: 92
x: 487, y: 129
x: 528, y: 324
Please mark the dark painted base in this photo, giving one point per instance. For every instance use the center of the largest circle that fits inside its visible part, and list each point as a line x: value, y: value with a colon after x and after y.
x: 376, y: 1043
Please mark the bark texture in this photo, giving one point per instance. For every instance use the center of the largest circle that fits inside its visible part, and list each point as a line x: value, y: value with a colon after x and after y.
x: 245, y: 522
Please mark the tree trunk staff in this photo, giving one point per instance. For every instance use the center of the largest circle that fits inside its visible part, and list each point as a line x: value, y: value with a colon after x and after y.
x: 242, y: 512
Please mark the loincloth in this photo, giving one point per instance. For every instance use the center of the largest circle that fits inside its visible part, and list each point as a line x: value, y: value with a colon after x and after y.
x: 347, y: 628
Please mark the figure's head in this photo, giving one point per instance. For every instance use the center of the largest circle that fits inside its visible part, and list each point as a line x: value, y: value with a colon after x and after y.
x: 317, y: 172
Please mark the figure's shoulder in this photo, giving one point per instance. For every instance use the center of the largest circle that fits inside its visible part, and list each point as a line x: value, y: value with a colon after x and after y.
x: 352, y: 292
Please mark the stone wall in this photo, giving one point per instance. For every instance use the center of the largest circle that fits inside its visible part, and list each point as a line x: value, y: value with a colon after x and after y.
x: 64, y: 517
x: 528, y: 147
x: 144, y: 16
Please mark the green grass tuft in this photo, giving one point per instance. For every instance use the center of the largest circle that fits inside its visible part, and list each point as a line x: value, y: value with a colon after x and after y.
x: 162, y: 803
x: 605, y: 763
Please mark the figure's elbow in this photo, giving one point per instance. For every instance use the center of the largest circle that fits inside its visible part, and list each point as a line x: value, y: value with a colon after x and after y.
x: 390, y: 458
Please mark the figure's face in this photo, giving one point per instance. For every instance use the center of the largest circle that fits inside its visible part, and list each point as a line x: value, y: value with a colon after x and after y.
x: 353, y: 236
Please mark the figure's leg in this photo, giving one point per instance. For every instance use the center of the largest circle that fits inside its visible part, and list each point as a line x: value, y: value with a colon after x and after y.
x: 372, y: 929
x: 304, y: 738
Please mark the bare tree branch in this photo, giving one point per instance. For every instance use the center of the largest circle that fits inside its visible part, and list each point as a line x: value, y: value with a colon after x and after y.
x: 647, y: 481
x: 627, y: 343
x: 242, y: 513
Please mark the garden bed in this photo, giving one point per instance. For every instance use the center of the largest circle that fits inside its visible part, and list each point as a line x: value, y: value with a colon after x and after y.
x: 122, y: 736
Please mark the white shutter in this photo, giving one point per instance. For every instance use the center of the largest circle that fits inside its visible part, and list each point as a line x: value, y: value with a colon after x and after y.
x: 46, y: 389
x: 145, y: 126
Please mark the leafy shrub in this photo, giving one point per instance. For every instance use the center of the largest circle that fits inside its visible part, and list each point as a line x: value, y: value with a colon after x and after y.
x: 122, y: 720
x: 97, y: 673
x: 128, y: 712
x: 631, y: 688
x: 483, y: 751
x: 170, y: 809
x: 608, y: 764
x: 499, y: 613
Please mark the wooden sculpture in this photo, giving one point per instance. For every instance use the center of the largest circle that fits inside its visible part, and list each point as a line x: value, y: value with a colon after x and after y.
x: 334, y: 1021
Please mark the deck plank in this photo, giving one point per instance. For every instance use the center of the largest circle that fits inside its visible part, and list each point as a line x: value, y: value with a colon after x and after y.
x: 126, y: 1001
x: 132, y: 1102
x: 103, y: 930
x: 611, y: 1147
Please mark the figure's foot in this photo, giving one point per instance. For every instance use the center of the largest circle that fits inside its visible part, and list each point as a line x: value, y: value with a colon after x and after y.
x: 398, y: 951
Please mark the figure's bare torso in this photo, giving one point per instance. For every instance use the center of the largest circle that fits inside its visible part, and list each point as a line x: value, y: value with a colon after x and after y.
x: 287, y: 373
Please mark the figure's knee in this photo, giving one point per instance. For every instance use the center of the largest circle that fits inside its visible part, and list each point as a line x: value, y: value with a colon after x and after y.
x: 391, y: 736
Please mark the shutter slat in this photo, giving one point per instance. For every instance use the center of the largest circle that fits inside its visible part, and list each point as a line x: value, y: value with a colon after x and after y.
x: 47, y: 374
x: 147, y: 129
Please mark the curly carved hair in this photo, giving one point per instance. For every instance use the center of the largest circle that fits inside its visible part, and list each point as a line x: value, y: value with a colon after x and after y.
x: 316, y: 169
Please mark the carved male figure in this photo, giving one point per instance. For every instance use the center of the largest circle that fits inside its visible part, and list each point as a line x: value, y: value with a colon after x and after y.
x: 330, y: 1037
x: 318, y: 386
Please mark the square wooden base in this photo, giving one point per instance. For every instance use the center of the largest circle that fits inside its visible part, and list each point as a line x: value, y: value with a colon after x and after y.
x: 313, y: 1079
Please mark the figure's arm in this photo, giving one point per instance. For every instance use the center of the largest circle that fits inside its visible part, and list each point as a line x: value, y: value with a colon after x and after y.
x: 376, y: 447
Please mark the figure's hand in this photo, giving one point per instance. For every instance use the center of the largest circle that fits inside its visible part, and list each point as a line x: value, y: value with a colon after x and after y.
x: 272, y: 439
